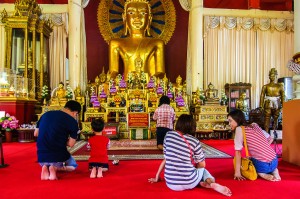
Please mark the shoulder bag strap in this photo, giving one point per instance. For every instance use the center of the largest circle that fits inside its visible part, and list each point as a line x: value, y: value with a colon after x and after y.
x: 245, y: 141
x: 191, y: 153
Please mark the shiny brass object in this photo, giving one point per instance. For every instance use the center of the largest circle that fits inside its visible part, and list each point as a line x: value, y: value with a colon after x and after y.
x: 271, y: 100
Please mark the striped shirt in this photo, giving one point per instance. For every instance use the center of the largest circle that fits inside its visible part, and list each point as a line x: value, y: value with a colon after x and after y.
x: 164, y: 116
x: 257, y: 142
x: 180, y: 173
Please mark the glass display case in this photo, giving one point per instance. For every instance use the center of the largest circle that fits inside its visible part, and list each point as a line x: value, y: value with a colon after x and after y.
x: 13, y: 85
x: 27, y: 45
x: 233, y: 92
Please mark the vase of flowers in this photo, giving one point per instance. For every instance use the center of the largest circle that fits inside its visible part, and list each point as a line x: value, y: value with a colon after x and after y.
x: 8, y: 123
x: 44, y: 94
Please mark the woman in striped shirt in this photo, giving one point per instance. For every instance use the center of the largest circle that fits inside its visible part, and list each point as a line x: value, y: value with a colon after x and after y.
x: 259, y: 142
x: 184, y: 161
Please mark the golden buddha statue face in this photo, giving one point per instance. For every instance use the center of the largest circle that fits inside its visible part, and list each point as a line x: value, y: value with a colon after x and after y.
x: 61, y: 85
x: 243, y: 96
x: 97, y: 80
x: 210, y: 86
x: 137, y: 17
x: 102, y: 78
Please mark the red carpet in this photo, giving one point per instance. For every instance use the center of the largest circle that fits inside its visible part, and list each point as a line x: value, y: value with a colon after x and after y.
x: 21, y: 179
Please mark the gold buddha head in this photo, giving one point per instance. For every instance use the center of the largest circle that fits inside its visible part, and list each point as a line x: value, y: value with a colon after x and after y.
x: 61, y: 85
x: 210, y: 86
x: 97, y: 79
x: 243, y: 96
x: 102, y: 76
x: 137, y: 17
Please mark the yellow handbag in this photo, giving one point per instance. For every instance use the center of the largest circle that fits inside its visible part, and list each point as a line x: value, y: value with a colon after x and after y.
x: 247, y: 168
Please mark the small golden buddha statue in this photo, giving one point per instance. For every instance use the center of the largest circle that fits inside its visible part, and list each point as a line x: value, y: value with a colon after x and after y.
x: 196, y: 97
x: 137, y: 48
x: 211, y: 94
x: 103, y: 82
x: 242, y: 104
x: 60, y: 95
x: 102, y: 77
x: 61, y: 91
x: 178, y: 86
x: 78, y: 97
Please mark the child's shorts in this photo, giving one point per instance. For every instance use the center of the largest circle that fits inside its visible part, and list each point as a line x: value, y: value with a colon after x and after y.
x: 98, y: 164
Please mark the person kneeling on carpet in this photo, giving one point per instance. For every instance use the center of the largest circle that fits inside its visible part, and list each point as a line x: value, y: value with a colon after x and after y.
x: 263, y: 156
x: 184, y: 160
x: 56, y: 130
x: 98, y: 161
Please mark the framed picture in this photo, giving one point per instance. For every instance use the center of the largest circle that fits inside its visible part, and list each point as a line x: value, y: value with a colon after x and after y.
x: 111, y: 130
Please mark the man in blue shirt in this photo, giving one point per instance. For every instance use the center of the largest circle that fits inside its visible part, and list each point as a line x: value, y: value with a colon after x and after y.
x: 55, y: 131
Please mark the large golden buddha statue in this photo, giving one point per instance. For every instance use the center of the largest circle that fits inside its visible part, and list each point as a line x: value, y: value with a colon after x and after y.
x: 271, y: 100
x: 137, y: 49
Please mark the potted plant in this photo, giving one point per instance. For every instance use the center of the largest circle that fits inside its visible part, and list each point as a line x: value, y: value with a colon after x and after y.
x: 8, y: 123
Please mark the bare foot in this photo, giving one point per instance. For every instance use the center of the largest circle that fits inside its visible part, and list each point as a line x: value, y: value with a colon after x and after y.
x: 45, y: 173
x: 276, y: 175
x: 52, y: 171
x: 93, y: 172
x: 268, y: 177
x: 99, y: 174
x: 205, y: 184
x: 221, y: 189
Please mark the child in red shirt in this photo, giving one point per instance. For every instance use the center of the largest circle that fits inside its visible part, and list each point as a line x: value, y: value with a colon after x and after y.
x: 98, y: 161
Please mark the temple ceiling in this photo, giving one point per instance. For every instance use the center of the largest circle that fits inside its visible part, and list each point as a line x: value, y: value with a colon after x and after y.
x: 281, y: 5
